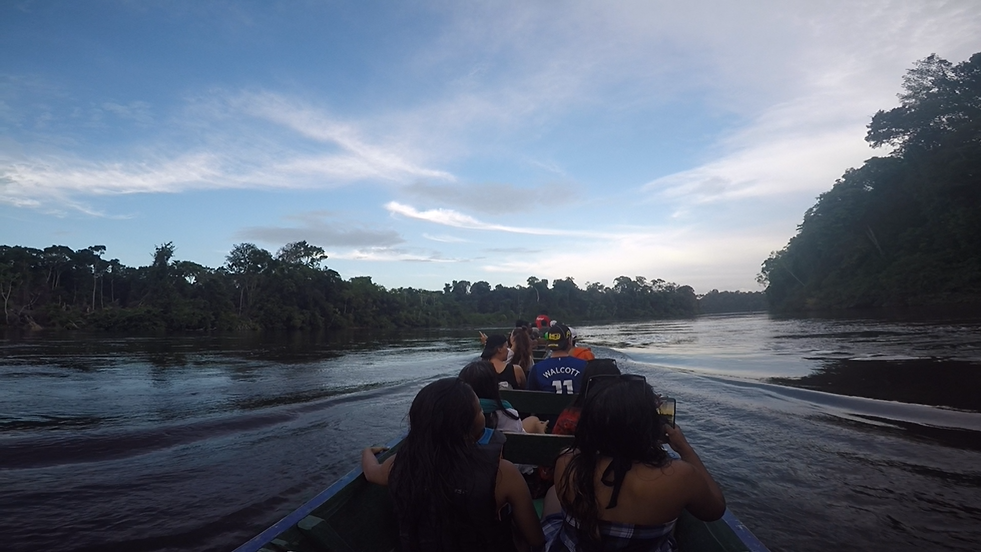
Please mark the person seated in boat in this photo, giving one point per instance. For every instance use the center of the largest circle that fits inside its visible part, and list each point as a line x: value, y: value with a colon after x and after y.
x: 498, y: 413
x: 451, y: 488
x: 566, y: 422
x: 522, y: 355
x: 496, y: 352
x: 618, y: 488
x: 584, y: 353
x: 559, y: 373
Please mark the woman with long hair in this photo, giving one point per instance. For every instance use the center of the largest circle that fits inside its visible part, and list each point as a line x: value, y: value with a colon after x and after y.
x: 498, y: 413
x: 618, y: 487
x: 451, y: 489
x: 522, y: 346
x: 496, y: 352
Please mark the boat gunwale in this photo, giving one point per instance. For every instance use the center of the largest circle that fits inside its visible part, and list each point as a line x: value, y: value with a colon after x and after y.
x: 743, y: 533
x: 294, y: 517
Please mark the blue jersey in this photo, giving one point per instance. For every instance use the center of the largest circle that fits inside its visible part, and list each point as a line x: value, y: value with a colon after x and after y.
x: 561, y: 375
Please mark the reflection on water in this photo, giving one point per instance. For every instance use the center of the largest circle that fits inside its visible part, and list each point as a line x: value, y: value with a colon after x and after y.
x: 198, y: 442
x: 935, y: 363
x: 947, y: 436
x: 951, y: 383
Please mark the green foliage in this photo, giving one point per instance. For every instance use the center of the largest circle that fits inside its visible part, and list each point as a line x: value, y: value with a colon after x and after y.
x: 59, y: 287
x: 903, y: 229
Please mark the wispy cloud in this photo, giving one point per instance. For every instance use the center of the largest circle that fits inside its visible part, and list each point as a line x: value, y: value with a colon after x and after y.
x: 449, y: 217
x: 799, y: 146
x: 384, y: 254
x: 492, y: 198
x: 323, y: 228
x: 54, y: 183
x: 781, y: 165
x: 360, y: 159
x: 443, y: 238
x: 224, y: 153
x: 324, y: 236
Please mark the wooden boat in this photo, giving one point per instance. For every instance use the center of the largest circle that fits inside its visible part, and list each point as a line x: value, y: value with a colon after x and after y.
x: 353, y: 515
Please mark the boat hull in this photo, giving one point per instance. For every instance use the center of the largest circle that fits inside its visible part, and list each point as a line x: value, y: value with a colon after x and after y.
x: 353, y: 515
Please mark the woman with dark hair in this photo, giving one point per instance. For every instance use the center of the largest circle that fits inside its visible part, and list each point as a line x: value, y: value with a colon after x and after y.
x: 498, y: 413
x: 451, y: 489
x: 618, y: 488
x: 522, y: 347
x: 496, y: 352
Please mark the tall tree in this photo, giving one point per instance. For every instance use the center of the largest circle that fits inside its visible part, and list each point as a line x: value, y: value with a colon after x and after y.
x: 301, y: 253
x: 246, y: 263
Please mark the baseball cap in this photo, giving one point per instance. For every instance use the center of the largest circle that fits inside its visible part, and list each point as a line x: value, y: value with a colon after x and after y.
x: 557, y: 336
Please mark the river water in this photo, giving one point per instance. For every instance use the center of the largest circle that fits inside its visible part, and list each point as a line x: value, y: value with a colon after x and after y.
x: 825, y: 434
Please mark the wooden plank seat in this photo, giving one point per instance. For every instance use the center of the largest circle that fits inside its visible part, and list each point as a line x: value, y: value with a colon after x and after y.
x: 537, y: 449
x: 544, y: 405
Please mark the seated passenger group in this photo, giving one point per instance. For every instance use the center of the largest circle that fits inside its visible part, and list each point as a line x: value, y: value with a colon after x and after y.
x: 616, y: 488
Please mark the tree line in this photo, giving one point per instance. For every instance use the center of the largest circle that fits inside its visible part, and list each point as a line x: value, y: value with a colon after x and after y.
x: 291, y: 289
x: 903, y: 229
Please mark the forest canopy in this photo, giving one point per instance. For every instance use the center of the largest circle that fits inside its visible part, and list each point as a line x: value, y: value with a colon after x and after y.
x: 292, y: 289
x: 903, y: 229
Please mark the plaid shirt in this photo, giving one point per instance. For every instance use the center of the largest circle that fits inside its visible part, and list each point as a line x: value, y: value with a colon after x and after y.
x: 560, y: 536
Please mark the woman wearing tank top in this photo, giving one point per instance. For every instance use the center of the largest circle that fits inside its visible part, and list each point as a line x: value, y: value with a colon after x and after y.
x: 618, y: 488
x: 451, y: 489
x: 496, y: 352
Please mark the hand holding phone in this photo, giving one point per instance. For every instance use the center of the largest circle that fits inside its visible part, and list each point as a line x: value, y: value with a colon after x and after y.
x: 668, y: 409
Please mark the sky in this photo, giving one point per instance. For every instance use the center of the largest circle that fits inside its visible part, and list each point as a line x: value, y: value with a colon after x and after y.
x: 424, y: 142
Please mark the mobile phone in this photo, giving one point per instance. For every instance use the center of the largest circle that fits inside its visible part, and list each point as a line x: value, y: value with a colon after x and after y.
x: 667, y: 409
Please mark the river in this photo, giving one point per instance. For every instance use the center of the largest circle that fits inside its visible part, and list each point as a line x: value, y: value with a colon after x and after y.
x: 844, y: 434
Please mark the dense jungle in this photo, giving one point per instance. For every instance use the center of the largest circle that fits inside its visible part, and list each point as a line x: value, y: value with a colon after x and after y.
x: 903, y: 229
x: 58, y: 287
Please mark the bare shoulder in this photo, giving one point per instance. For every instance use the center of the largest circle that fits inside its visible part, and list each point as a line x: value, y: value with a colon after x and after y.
x: 682, y: 472
x: 510, y: 483
x: 676, y: 474
x: 680, y: 468
x: 508, y: 474
x: 562, y: 462
x: 507, y: 467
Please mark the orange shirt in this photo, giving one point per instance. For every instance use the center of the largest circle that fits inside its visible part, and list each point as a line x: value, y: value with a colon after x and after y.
x: 584, y: 353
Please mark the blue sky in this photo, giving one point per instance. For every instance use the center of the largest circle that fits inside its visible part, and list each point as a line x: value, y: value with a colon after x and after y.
x: 424, y: 142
